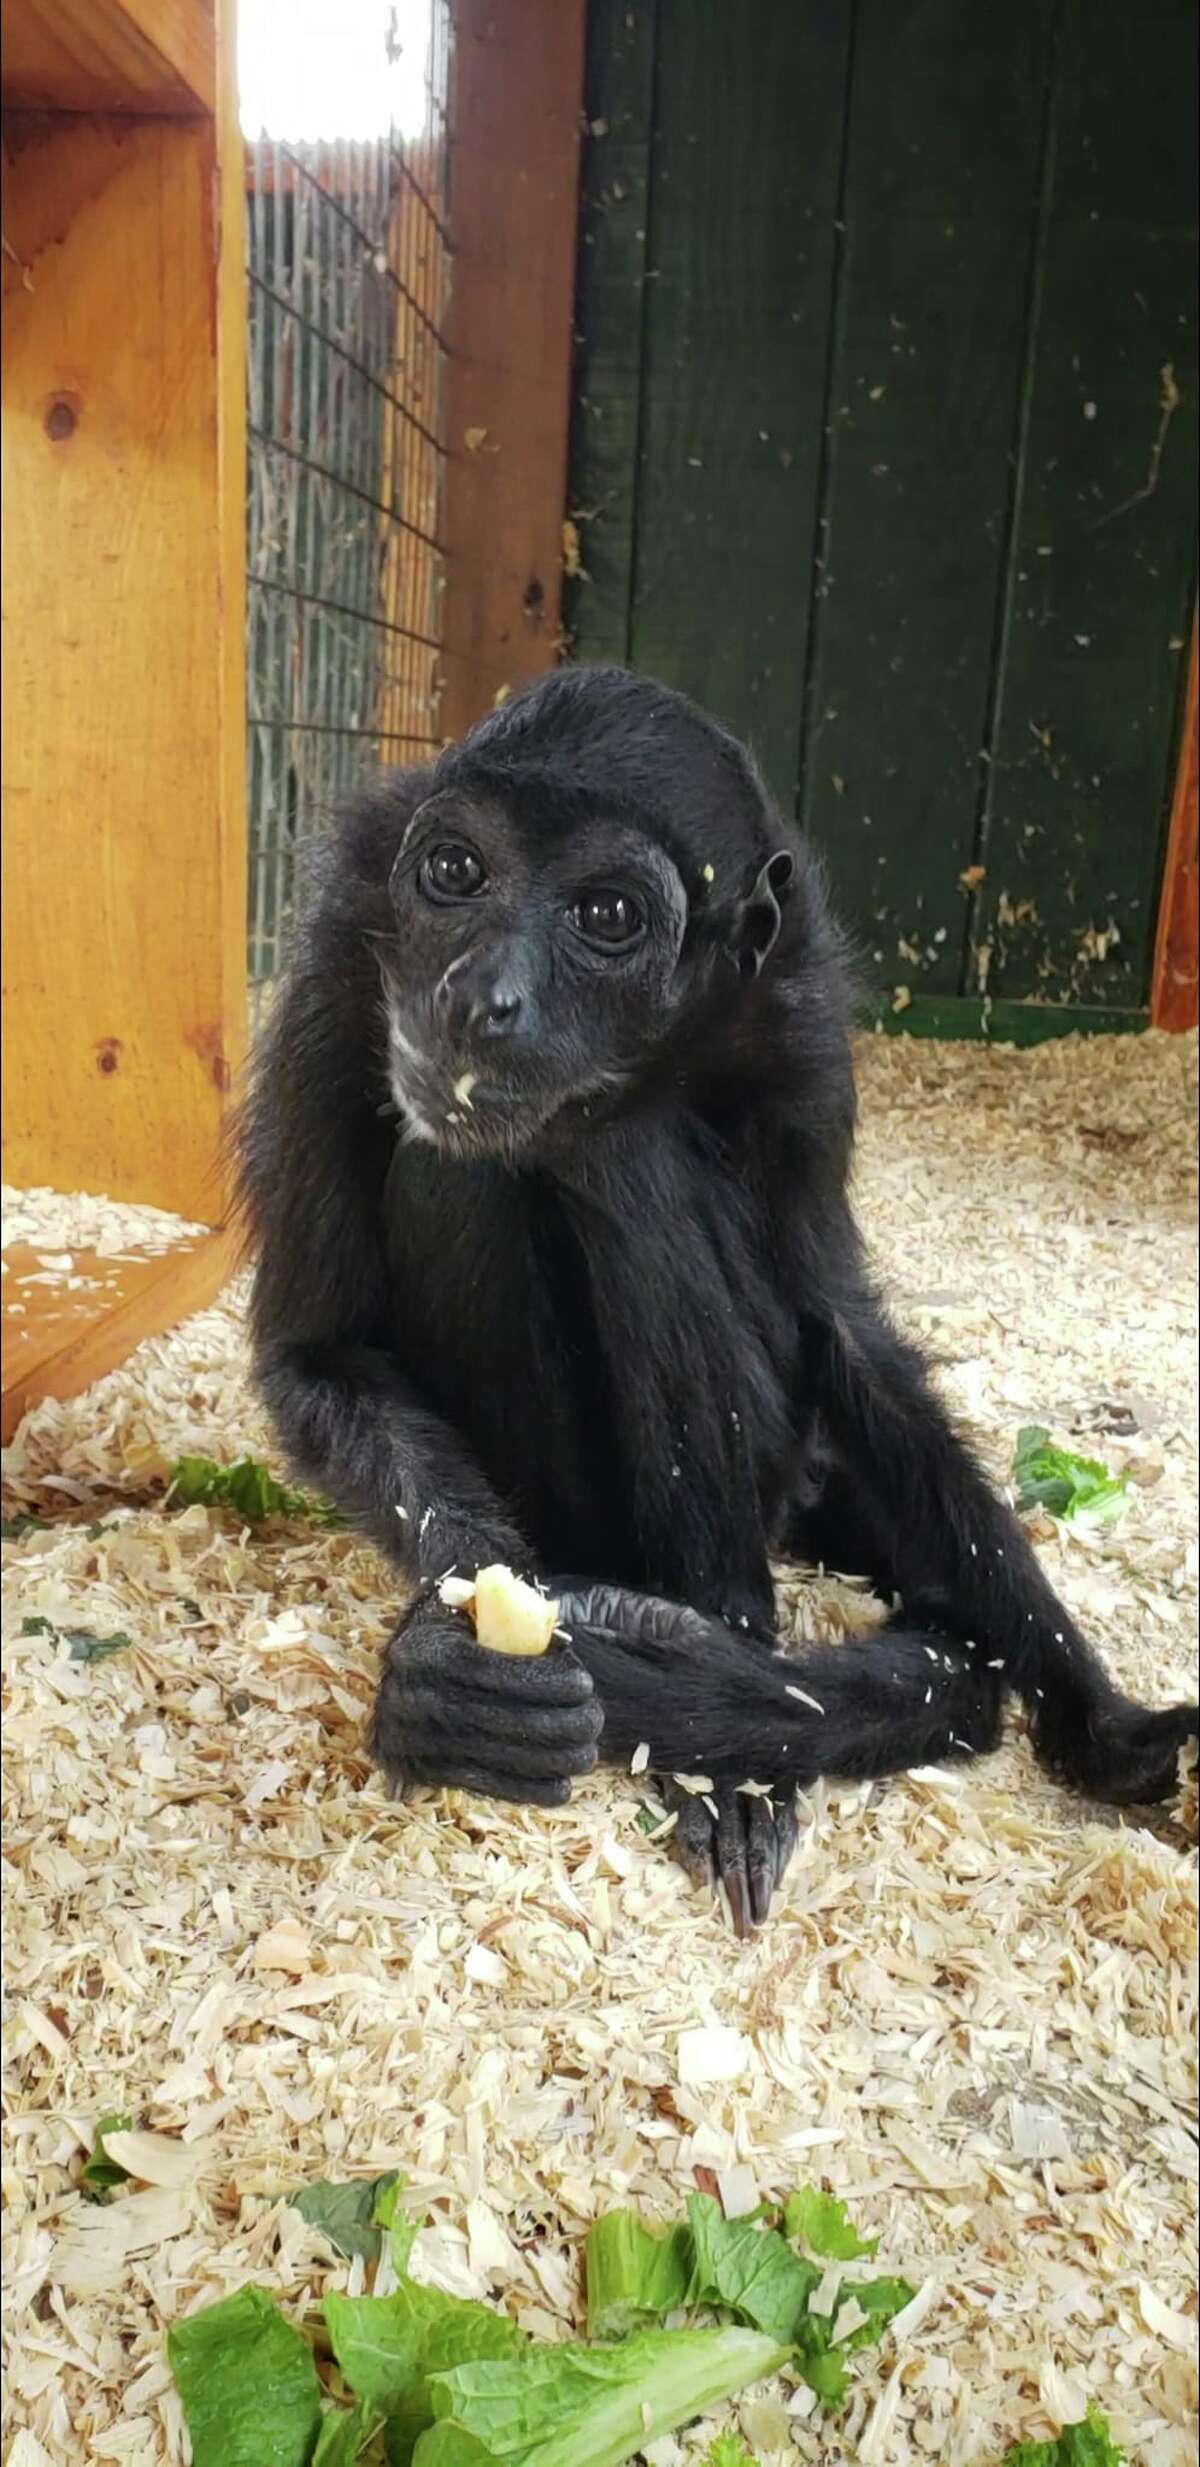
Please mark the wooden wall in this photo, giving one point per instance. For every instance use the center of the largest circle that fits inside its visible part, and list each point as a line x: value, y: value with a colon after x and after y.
x: 124, y: 729
x: 884, y: 447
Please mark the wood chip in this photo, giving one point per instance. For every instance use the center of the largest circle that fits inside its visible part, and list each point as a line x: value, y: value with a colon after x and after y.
x: 536, y: 2017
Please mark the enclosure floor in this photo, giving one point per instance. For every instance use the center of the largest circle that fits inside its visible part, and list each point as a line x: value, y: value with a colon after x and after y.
x: 972, y: 2014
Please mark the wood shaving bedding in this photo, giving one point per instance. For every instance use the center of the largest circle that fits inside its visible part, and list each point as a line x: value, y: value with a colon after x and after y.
x: 973, y: 2014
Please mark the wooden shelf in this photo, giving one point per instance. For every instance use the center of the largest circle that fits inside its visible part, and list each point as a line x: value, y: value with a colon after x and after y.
x: 65, y: 1325
x: 108, y: 55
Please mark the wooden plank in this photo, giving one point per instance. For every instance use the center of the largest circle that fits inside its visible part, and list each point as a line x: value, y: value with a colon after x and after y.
x: 124, y: 735
x: 109, y: 55
x: 65, y: 1328
x: 945, y: 136
x: 610, y: 307
x: 1174, y: 1002
x: 517, y: 91
x: 746, y: 173
x: 1102, y: 572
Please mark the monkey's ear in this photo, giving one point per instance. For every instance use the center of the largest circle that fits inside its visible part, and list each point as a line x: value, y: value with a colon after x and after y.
x: 761, y: 913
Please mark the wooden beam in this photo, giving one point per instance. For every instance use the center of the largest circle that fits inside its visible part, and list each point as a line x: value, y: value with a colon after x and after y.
x: 108, y: 55
x: 1175, y: 996
x: 124, y: 737
x: 65, y: 1326
x: 516, y: 110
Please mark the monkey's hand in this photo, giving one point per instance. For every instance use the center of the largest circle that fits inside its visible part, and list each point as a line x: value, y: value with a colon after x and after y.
x: 450, y: 1714
x: 1113, y: 1748
x: 678, y: 1684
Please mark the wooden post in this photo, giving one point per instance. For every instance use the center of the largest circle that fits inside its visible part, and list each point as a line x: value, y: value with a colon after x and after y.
x: 124, y: 990
x: 124, y: 730
x: 1174, y: 996
x: 517, y: 104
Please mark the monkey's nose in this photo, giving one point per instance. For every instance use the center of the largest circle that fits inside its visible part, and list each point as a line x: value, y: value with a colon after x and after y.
x: 495, y: 1013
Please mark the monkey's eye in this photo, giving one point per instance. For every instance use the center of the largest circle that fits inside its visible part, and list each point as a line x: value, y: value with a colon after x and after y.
x: 452, y: 872
x: 609, y: 919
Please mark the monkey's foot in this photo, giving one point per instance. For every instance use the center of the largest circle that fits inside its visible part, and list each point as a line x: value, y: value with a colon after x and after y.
x: 745, y: 1845
x: 1120, y: 1751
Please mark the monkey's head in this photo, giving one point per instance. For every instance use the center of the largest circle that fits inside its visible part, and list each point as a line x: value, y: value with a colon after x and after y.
x: 595, y: 870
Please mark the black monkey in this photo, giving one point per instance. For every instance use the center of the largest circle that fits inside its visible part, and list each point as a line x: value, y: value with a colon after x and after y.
x: 546, y: 1161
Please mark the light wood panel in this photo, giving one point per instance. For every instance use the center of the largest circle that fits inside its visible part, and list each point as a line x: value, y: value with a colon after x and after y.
x: 109, y: 55
x: 516, y: 109
x: 65, y: 1328
x: 124, y: 838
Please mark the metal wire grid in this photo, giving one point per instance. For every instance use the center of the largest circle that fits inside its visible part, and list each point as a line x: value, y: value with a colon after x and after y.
x: 348, y: 266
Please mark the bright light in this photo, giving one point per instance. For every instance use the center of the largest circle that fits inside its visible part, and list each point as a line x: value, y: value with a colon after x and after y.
x: 320, y: 68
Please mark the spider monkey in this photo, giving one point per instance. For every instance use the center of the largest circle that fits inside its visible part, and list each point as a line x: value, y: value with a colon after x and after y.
x: 546, y: 1162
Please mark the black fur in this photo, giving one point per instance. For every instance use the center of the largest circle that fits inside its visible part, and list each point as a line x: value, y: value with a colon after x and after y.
x: 611, y: 1314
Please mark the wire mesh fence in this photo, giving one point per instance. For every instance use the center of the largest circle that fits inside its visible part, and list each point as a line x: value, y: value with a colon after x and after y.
x: 348, y: 270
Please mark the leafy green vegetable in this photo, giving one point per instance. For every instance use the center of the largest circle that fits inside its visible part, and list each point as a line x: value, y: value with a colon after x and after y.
x: 728, y: 2450
x: 1063, y: 1484
x: 13, y: 1527
x: 1089, y: 2444
x: 575, y: 2406
x: 751, y: 2270
x: 388, y: 2346
x: 819, y: 2220
x: 99, y: 2174
x: 248, y: 2384
x: 85, y: 1645
x: 401, y: 2232
x: 348, y: 2214
x: 246, y: 1486
x: 632, y: 2271
x: 821, y: 2355
x: 343, y: 2434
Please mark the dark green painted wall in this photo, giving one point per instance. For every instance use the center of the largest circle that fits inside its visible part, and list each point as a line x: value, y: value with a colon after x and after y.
x: 884, y: 448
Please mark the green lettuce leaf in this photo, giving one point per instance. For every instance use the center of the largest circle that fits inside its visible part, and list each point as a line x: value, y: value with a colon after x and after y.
x: 574, y: 2406
x: 751, y: 2270
x: 821, y: 2362
x: 100, y: 2175
x: 245, y: 1486
x: 728, y: 2450
x: 633, y: 2272
x: 401, y: 2232
x: 389, y: 2346
x: 344, y: 2433
x: 348, y: 2214
x: 1089, y: 2444
x: 1063, y: 1484
x: 248, y: 2384
x: 819, y: 2220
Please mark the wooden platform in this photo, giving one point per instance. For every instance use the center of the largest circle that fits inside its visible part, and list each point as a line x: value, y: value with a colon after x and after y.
x: 69, y: 1316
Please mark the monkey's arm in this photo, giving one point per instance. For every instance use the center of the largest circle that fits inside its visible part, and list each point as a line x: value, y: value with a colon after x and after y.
x: 315, y: 1155
x: 954, y: 1541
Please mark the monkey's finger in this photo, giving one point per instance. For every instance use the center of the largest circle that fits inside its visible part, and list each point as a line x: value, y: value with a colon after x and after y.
x: 787, y: 1833
x: 520, y: 1790
x: 634, y: 1618
x: 455, y: 1713
x: 692, y: 1841
x: 733, y: 1860
x: 762, y: 1854
x: 447, y: 1653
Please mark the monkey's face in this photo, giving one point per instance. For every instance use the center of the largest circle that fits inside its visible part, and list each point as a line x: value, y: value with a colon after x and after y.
x: 529, y: 976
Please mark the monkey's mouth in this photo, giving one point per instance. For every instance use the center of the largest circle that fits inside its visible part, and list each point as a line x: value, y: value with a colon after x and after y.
x: 446, y: 1104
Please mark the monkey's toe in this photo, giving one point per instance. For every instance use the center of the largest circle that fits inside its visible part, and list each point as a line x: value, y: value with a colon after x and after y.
x: 738, y: 1839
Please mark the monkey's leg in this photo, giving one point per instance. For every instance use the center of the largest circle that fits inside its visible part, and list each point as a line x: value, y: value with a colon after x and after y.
x: 954, y: 1541
x: 702, y: 1702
